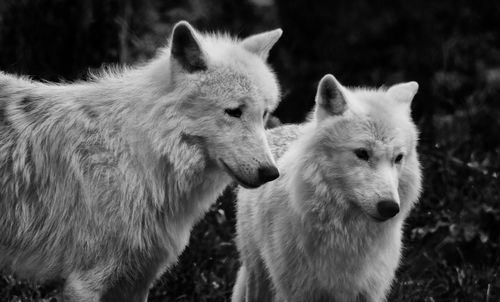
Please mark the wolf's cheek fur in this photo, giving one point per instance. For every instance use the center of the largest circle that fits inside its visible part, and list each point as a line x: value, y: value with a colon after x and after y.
x: 236, y: 144
x: 245, y: 154
x: 410, y: 185
x: 357, y: 182
x: 365, y: 187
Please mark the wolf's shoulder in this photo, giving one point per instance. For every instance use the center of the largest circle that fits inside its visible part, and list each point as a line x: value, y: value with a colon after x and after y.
x: 280, y: 138
x: 13, y: 79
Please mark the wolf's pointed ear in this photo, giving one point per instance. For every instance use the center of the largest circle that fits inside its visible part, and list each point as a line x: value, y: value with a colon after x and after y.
x: 330, y: 100
x: 403, y: 92
x: 261, y: 44
x: 185, y: 48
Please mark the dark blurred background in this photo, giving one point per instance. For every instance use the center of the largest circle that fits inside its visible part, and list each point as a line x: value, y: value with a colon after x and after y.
x: 452, y: 48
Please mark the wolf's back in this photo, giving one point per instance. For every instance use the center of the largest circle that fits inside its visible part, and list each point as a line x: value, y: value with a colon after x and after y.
x: 48, y: 162
x: 280, y: 138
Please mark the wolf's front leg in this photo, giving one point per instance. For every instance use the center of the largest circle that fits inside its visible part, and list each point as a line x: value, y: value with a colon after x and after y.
x: 128, y: 291
x: 83, y: 287
x: 240, y: 286
x: 90, y: 287
x: 105, y: 285
x: 130, y: 287
x: 253, y: 284
x: 259, y: 285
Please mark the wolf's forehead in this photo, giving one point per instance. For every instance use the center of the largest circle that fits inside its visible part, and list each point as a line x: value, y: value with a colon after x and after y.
x: 365, y: 127
x: 387, y: 129
x: 227, y: 83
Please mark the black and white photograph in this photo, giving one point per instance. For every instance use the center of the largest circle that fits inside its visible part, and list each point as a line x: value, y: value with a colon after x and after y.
x: 249, y: 151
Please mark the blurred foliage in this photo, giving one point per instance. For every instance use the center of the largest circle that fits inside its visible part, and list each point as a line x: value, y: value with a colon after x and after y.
x: 451, y: 48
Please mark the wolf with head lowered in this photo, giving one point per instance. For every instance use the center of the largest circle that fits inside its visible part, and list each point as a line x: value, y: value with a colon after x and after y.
x: 101, y: 181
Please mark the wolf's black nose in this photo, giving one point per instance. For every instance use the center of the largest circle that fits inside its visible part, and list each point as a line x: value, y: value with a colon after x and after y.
x: 268, y: 173
x: 387, y: 208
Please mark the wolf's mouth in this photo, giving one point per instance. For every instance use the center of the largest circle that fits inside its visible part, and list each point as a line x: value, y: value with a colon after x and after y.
x: 373, y: 217
x: 240, y: 181
x: 378, y: 219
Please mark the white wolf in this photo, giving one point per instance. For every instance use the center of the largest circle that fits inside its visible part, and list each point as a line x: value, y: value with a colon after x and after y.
x: 329, y: 229
x: 102, y: 181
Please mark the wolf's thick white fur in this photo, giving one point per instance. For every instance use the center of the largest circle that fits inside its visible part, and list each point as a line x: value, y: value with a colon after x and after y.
x: 316, y: 233
x: 102, y: 181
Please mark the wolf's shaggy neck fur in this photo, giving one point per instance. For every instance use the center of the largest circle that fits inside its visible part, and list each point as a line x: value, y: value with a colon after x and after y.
x: 117, y: 138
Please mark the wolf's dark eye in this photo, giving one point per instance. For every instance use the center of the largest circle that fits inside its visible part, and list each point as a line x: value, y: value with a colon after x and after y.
x: 234, y: 112
x: 362, y: 154
x: 398, y: 158
x: 264, y: 115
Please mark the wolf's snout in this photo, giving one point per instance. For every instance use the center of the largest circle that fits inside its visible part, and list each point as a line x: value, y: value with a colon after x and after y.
x: 268, y: 173
x: 387, y: 209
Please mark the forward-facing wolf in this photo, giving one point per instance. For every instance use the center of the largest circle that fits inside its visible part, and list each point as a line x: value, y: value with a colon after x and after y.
x: 102, y: 181
x: 329, y: 228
